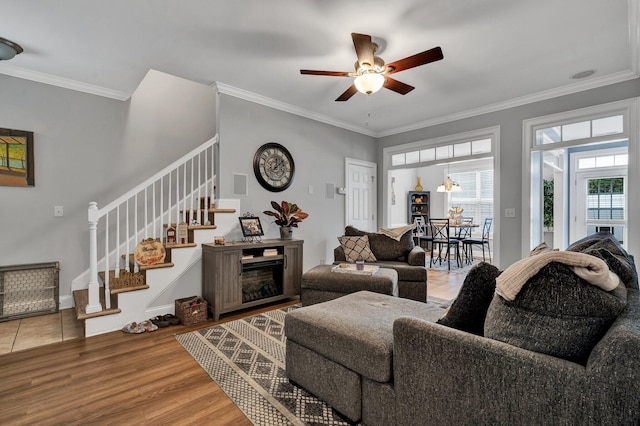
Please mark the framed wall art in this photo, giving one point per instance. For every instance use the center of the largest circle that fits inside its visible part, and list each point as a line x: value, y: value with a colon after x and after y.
x: 16, y: 158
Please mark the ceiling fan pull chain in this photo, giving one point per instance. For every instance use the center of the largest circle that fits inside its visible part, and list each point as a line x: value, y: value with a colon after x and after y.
x: 368, y: 110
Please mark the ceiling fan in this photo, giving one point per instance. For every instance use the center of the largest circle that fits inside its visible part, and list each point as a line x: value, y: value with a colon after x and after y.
x: 371, y: 72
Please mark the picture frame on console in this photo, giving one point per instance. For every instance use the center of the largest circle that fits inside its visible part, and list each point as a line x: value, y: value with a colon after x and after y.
x: 251, y: 226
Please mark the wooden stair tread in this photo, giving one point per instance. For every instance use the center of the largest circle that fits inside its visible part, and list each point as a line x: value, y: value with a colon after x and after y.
x: 192, y: 227
x: 157, y: 266
x: 215, y: 210
x: 81, y: 298
x: 176, y: 245
x: 127, y: 289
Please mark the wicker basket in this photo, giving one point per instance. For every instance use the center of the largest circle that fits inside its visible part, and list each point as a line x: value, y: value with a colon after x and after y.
x: 190, y: 313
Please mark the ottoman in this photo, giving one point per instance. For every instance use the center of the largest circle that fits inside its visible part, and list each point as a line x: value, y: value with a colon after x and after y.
x: 320, y: 284
x: 342, y: 351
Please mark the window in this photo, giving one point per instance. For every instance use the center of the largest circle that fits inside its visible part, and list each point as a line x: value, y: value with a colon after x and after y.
x: 476, y: 197
x: 612, y: 125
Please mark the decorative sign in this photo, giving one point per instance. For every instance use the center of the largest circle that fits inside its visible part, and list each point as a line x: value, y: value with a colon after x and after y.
x: 183, y: 233
x: 149, y: 252
x: 171, y: 235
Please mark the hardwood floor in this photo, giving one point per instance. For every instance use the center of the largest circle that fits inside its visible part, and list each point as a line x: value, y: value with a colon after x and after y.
x: 120, y: 378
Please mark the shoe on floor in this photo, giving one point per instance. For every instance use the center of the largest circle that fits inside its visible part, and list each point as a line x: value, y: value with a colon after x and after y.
x: 149, y: 326
x: 160, y: 321
x: 134, y: 328
x: 172, y: 319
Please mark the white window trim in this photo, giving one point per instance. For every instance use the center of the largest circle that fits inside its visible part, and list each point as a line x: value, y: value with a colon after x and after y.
x: 489, y: 132
x: 631, y: 131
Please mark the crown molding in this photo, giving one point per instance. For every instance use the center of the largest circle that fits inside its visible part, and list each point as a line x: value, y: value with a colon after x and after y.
x: 66, y: 83
x: 581, y: 86
x: 282, y: 106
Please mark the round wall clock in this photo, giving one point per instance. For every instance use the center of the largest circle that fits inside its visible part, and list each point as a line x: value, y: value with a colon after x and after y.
x: 273, y: 166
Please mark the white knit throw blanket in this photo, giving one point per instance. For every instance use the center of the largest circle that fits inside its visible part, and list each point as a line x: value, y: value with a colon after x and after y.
x: 396, y: 233
x: 590, y: 268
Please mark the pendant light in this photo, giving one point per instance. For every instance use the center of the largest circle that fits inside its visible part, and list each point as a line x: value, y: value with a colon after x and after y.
x: 448, y: 185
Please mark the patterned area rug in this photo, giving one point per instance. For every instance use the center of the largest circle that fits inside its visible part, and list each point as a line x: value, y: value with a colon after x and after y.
x: 443, y: 266
x: 246, y: 359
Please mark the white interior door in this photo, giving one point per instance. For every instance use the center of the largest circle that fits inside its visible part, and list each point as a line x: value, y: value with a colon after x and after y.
x: 361, y: 201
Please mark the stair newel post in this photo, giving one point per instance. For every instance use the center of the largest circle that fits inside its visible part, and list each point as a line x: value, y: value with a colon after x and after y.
x: 94, y: 287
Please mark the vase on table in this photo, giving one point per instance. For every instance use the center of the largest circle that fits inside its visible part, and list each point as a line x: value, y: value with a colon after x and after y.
x: 418, y: 185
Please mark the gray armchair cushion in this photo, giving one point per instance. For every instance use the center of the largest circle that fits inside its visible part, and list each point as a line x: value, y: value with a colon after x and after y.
x: 556, y: 313
x: 469, y: 310
x: 384, y: 247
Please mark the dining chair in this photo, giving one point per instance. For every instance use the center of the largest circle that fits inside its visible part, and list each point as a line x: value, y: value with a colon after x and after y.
x: 468, y: 243
x: 441, y: 239
x: 420, y: 232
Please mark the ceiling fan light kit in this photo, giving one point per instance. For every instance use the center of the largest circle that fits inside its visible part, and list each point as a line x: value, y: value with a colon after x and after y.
x: 369, y: 83
x: 8, y: 49
x: 372, y: 74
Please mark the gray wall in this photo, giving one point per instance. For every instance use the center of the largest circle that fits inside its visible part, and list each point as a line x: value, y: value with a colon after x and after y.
x: 511, y: 154
x: 319, y: 152
x: 89, y: 148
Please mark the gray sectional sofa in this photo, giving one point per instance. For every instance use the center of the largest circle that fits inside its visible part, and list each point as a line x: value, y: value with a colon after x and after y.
x: 403, y: 256
x: 382, y: 360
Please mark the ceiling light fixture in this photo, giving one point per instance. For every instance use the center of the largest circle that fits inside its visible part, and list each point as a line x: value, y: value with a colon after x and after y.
x: 8, y: 49
x: 369, y: 83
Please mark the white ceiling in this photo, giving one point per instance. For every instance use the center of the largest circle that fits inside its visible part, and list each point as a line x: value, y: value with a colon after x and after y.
x: 497, y: 53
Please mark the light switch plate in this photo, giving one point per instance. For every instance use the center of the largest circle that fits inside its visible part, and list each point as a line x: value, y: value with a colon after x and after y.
x: 510, y: 212
x: 58, y: 211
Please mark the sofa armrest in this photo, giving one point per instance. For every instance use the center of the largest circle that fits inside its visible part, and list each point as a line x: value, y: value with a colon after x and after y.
x: 416, y: 257
x: 338, y: 254
x: 453, y: 377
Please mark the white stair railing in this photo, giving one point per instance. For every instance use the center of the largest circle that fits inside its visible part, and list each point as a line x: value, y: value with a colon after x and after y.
x: 144, y: 211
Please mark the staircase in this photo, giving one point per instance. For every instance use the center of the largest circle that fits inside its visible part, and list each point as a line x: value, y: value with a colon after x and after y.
x: 116, y: 290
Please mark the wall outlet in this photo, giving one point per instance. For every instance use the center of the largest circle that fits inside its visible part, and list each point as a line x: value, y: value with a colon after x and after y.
x: 58, y: 211
x: 510, y: 212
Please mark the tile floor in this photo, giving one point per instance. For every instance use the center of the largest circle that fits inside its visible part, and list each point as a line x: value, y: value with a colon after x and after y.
x: 25, y: 333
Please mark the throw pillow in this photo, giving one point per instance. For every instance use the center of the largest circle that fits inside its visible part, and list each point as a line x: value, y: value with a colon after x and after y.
x: 468, y: 311
x: 357, y: 248
x: 556, y: 313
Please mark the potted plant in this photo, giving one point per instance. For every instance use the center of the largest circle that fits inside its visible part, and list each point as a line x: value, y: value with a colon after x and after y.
x: 287, y: 216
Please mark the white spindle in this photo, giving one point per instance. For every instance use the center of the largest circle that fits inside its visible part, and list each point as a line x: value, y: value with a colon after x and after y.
x: 146, y: 217
x: 202, y: 218
x: 184, y: 192
x: 117, y: 242
x: 177, y: 197
x: 161, y: 206
x: 107, y: 275
x: 126, y: 253
x: 191, y: 216
x: 169, y: 201
x: 153, y: 211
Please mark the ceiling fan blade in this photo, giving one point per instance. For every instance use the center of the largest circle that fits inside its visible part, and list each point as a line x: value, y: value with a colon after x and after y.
x: 329, y: 73
x: 347, y: 94
x: 397, y: 86
x: 364, y: 48
x: 416, y: 60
